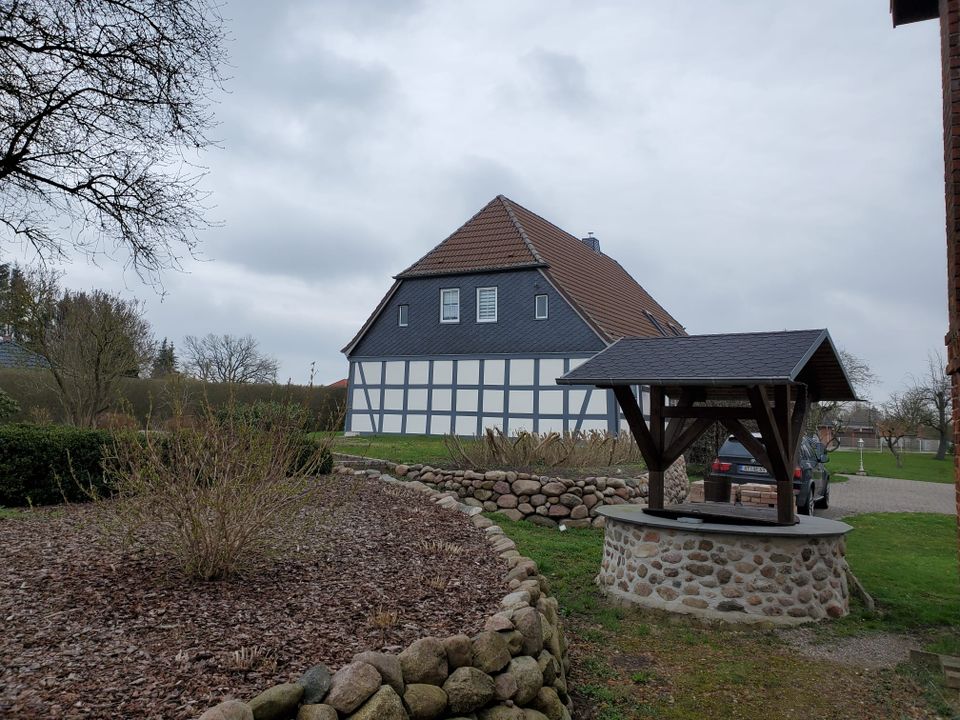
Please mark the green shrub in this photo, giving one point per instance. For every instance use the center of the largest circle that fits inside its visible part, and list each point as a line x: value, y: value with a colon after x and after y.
x: 47, y: 464
x: 8, y: 406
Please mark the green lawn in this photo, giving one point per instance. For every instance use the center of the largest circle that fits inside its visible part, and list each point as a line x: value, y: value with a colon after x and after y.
x: 916, y: 466
x: 427, y: 449
x: 628, y: 664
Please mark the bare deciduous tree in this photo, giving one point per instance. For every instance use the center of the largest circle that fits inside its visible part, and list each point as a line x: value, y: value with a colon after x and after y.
x: 228, y: 359
x: 90, y: 339
x: 934, y: 389
x: 832, y: 413
x: 100, y: 102
x: 900, y: 416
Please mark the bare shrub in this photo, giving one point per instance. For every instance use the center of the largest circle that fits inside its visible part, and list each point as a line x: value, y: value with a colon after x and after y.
x: 213, y: 496
x: 439, y: 547
x: 116, y: 421
x: 525, y: 449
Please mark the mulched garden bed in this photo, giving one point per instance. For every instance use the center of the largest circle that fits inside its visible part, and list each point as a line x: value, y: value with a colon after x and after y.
x: 91, y: 632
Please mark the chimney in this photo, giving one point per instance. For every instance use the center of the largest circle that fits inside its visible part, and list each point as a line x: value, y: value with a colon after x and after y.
x: 591, y: 242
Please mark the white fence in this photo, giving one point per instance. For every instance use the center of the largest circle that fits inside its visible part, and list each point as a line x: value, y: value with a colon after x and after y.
x: 909, y: 444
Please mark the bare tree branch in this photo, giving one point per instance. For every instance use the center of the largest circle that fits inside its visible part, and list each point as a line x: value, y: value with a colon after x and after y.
x: 228, y: 359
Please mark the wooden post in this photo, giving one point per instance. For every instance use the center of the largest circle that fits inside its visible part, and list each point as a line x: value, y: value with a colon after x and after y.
x: 650, y: 447
x: 657, y: 431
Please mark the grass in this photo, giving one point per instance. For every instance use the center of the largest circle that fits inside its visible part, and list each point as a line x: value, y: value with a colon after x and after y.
x: 409, y: 449
x: 11, y: 514
x: 628, y: 664
x: 916, y: 466
x: 908, y: 562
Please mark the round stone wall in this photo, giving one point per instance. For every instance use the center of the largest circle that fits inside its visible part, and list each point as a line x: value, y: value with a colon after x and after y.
x: 784, y: 579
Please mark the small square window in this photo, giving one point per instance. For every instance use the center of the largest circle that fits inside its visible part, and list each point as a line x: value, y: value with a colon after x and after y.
x: 486, y: 304
x: 541, y: 307
x: 450, y: 305
x: 402, y: 315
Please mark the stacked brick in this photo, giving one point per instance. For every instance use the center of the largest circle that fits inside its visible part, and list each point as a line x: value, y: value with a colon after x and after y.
x: 748, y: 494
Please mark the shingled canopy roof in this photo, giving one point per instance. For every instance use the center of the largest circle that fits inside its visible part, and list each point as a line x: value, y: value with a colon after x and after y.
x: 721, y: 363
x: 507, y: 236
x: 778, y: 373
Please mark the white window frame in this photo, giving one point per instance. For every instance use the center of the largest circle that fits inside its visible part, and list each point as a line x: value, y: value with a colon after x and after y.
x: 546, y: 306
x: 403, y: 318
x: 453, y: 320
x: 495, y: 304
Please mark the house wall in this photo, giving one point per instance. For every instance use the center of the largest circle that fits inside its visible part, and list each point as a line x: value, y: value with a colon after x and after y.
x: 465, y: 394
x: 516, y: 330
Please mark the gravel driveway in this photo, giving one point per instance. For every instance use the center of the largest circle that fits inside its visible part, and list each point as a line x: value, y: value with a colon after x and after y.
x: 877, y: 494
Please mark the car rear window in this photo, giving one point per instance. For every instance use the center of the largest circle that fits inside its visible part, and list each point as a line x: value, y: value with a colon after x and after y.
x: 734, y: 448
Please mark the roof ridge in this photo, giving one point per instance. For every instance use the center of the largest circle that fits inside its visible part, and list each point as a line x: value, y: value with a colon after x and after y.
x: 507, y: 202
x: 753, y: 332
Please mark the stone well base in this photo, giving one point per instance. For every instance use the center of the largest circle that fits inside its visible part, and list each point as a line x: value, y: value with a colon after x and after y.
x: 737, y: 573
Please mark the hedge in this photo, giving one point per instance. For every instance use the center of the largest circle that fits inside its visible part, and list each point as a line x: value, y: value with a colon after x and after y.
x: 45, y: 464
x: 145, y: 398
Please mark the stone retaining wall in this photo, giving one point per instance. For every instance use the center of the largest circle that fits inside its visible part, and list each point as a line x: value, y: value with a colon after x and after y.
x: 737, y: 578
x: 541, y: 499
x: 515, y: 669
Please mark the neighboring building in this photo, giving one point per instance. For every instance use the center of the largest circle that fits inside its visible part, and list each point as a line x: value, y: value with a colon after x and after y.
x: 338, y: 384
x: 14, y: 355
x: 474, y: 334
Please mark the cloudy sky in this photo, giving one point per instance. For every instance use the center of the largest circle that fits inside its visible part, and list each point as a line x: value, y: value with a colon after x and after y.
x: 754, y: 165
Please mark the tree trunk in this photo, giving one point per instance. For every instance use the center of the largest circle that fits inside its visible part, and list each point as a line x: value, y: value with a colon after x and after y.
x: 942, y: 445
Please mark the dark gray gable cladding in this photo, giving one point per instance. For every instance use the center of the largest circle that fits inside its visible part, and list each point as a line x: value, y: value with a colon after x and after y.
x: 516, y: 329
x: 773, y: 358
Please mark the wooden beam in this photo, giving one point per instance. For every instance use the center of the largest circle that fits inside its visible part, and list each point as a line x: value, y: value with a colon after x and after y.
x: 677, y: 424
x: 782, y: 469
x: 746, y: 438
x: 657, y: 431
x: 801, y: 405
x: 685, y: 440
x: 714, y: 413
x: 638, y: 426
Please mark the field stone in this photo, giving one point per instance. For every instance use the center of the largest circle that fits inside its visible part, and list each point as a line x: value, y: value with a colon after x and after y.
x: 459, y: 651
x: 315, y: 683
x: 526, y: 487
x: 278, y: 702
x: 316, y: 712
x: 387, y: 665
x: 384, y: 705
x: 351, y: 685
x: 504, y: 686
x: 528, y: 676
x: 531, y: 714
x: 514, y: 641
x: 490, y: 652
x: 527, y: 622
x: 229, y: 710
x: 501, y: 712
x: 548, y: 702
x: 425, y: 702
x: 425, y: 661
x: 467, y: 689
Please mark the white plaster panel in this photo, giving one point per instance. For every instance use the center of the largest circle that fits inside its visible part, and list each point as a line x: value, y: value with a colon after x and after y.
x: 393, y: 400
x: 594, y: 425
x: 493, y: 372
x: 547, y: 425
x: 493, y: 400
x: 550, y: 370
x: 360, y: 423
x: 576, y: 401
x: 417, y: 399
x: 441, y: 400
x: 551, y: 402
x: 577, y: 362
x: 359, y: 400
x: 521, y: 372
x: 416, y: 424
x: 468, y: 372
x: 466, y: 401
x: 439, y: 424
x: 598, y: 403
x: 520, y: 424
x: 419, y: 372
x: 492, y: 422
x: 521, y: 401
x: 394, y: 372
x: 442, y: 372
x: 392, y: 423
x: 466, y: 424
x: 371, y: 372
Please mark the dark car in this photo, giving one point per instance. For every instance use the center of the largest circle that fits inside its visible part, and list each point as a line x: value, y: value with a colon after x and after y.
x: 811, y: 481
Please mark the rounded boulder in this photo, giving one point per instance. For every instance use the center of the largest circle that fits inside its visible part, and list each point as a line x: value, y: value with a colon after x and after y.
x: 468, y: 689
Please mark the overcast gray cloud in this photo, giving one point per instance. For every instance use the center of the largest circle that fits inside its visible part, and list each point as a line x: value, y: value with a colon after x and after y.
x: 755, y: 165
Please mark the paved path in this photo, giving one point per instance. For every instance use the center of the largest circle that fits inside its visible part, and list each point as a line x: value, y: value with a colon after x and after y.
x: 878, y: 494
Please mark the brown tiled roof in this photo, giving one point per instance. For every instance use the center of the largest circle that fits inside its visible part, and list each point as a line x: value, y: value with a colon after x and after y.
x: 505, y: 235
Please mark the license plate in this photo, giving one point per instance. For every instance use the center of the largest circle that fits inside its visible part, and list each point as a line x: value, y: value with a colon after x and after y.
x: 755, y: 469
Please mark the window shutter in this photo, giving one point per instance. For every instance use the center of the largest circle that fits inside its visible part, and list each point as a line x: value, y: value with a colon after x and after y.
x: 486, y: 304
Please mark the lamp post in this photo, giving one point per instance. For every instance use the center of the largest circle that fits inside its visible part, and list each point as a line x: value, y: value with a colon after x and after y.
x: 861, y: 471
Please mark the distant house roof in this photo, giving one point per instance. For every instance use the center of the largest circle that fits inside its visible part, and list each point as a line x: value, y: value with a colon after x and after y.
x: 14, y: 355
x: 506, y: 236
x: 338, y: 384
x: 722, y: 361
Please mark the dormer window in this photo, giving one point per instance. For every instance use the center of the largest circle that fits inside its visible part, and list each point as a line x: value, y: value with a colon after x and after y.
x: 486, y: 304
x: 450, y: 305
x: 656, y: 323
x: 540, y: 307
x: 402, y: 311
